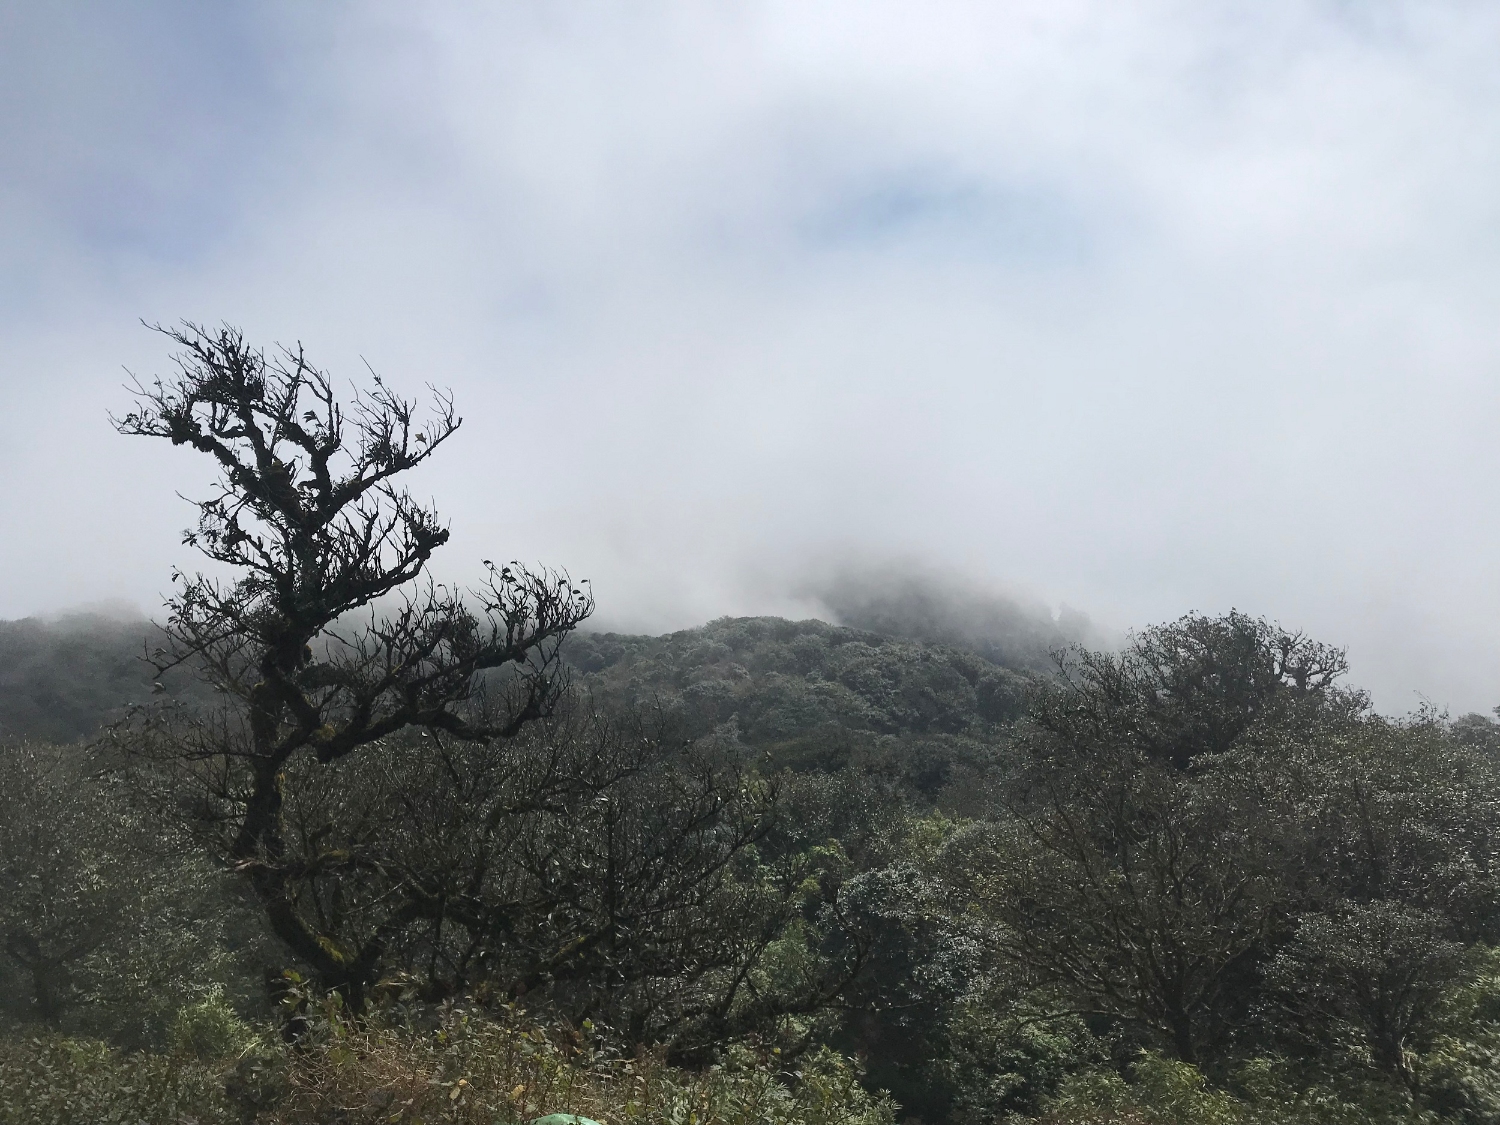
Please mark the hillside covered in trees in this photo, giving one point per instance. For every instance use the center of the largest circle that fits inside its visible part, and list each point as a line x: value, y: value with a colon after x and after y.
x: 993, y: 886
x: 331, y: 844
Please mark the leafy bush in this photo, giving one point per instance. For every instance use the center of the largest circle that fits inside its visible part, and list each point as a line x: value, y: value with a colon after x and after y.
x: 72, y: 1082
x: 1163, y: 1091
x: 210, y: 1029
x: 107, y: 924
x: 451, y: 1067
x: 468, y: 1069
x: 997, y: 1062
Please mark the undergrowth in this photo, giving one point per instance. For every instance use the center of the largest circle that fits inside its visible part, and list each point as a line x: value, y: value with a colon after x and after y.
x: 453, y: 1066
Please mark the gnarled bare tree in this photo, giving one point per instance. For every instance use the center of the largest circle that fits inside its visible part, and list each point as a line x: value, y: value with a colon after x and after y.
x: 311, y: 521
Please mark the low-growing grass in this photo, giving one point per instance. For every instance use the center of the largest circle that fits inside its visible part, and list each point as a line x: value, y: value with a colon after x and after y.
x: 456, y: 1067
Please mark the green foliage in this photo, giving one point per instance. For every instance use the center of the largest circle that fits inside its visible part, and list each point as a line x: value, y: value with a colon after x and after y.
x: 459, y: 1068
x: 54, y: 1081
x: 997, y: 1060
x: 833, y: 844
x: 210, y: 1028
x: 1210, y: 803
x: 1164, y: 1092
x: 60, y: 681
x: 1459, y: 1074
x: 107, y: 922
x: 472, y: 1069
x: 786, y: 678
x: 1380, y: 969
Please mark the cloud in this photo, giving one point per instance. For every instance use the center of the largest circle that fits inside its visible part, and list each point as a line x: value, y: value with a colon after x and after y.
x: 1145, y: 307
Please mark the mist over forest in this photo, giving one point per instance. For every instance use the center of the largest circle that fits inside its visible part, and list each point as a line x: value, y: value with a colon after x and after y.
x: 751, y: 564
x: 336, y: 840
x: 65, y: 676
x: 327, y: 842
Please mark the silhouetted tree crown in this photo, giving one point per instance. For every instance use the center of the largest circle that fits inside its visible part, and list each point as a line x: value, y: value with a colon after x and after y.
x: 310, y: 516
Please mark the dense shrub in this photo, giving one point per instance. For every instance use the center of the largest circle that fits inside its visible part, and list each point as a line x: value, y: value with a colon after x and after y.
x: 467, y: 1068
x: 55, y: 1081
x: 451, y: 1066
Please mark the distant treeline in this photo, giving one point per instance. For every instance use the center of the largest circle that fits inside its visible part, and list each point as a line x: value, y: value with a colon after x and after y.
x: 64, y: 679
x: 61, y: 680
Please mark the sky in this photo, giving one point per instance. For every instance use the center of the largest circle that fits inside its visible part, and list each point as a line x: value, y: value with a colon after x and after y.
x: 1139, y: 308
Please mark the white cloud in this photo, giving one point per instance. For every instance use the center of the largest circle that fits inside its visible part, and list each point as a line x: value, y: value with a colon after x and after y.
x: 1148, y: 307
